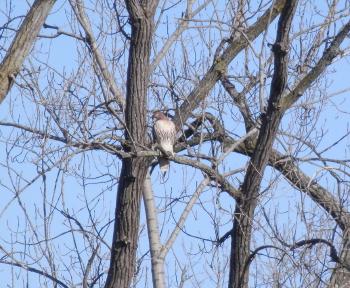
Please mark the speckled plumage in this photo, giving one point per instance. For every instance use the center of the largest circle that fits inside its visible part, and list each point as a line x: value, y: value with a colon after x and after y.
x: 165, y: 134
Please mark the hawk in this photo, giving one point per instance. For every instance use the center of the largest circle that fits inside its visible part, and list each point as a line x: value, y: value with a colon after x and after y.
x: 165, y: 134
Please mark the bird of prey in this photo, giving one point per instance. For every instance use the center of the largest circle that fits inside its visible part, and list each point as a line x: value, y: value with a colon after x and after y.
x: 165, y: 134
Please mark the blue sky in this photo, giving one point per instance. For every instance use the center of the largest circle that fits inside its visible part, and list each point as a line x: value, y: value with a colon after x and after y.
x: 72, y: 193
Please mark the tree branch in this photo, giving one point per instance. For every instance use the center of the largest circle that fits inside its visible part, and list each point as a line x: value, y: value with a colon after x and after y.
x: 181, y: 222
x: 158, y: 274
x: 245, y: 207
x: 239, y: 100
x: 34, y: 270
x: 182, y: 26
x: 22, y: 44
x: 84, y: 21
x: 326, y: 59
x: 220, y: 64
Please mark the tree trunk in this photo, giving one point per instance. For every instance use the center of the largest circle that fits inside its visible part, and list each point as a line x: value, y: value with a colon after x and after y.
x: 126, y: 225
x: 133, y: 173
x: 245, y: 207
x: 22, y: 44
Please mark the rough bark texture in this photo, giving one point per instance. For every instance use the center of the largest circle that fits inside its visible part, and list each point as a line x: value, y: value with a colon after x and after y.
x: 134, y: 170
x: 22, y: 44
x: 245, y: 207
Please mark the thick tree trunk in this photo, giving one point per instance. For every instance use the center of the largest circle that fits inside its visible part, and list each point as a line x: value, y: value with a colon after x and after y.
x: 22, y: 44
x: 126, y: 225
x: 133, y: 173
x: 245, y: 207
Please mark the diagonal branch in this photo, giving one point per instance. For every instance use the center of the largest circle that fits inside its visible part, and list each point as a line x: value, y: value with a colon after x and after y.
x: 182, y: 26
x: 157, y: 259
x: 289, y: 169
x: 211, y: 173
x: 304, y: 183
x: 34, y: 270
x: 96, y: 53
x: 328, y: 56
x: 236, y: 45
x: 22, y: 44
x: 180, y: 224
x: 239, y: 100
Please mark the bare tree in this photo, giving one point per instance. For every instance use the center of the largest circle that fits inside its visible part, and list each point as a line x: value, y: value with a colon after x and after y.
x: 257, y: 193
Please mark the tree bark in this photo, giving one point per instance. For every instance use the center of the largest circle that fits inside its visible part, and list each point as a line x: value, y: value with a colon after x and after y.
x: 134, y: 170
x: 22, y: 44
x: 245, y: 207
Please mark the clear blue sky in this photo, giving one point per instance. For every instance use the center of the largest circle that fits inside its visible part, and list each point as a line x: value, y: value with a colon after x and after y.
x: 102, y: 169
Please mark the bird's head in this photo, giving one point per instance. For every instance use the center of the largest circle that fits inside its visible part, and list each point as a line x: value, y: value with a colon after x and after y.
x: 157, y: 115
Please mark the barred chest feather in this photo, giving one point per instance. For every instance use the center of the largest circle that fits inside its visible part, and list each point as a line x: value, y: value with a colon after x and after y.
x: 165, y: 132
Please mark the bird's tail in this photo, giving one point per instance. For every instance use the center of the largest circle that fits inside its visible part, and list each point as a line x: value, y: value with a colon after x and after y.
x: 164, y: 165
